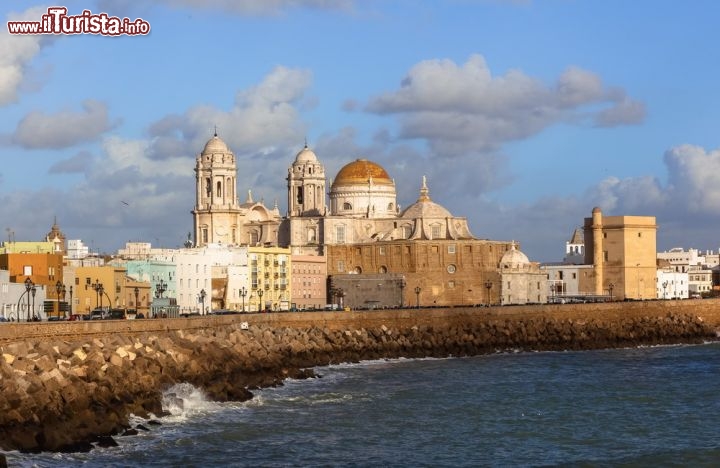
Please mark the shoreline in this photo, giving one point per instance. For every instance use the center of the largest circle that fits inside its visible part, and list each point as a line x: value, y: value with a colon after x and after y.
x: 69, y: 394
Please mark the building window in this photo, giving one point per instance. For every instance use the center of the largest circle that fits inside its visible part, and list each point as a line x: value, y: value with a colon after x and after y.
x: 381, y: 250
x: 219, y: 189
x: 383, y: 269
x: 390, y: 206
x: 639, y: 234
x: 451, y: 248
x: 341, y: 266
x: 436, y: 231
x: 340, y: 234
x: 347, y: 206
x: 605, y: 255
x: 451, y: 284
x: 204, y: 235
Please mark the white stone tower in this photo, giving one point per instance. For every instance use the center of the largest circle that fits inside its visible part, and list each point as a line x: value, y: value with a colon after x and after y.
x: 216, y: 206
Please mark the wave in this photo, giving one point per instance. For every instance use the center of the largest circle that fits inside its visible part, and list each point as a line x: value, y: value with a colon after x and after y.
x: 184, y: 400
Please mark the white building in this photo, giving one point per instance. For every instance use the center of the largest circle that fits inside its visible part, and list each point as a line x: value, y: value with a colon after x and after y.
x: 671, y: 284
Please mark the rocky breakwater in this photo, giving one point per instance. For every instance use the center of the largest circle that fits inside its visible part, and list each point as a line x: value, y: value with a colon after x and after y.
x: 71, y: 395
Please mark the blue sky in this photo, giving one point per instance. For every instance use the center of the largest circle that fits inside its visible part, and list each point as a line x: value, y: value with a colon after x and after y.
x: 523, y: 115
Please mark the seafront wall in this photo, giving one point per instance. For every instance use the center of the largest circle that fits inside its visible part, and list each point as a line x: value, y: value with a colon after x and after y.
x: 67, y: 386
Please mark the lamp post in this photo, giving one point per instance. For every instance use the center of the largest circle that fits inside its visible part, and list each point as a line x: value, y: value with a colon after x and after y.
x: 402, y: 292
x: 243, y: 293
x: 611, y: 286
x: 260, y: 305
x: 488, y: 286
x: 160, y: 288
x: 63, y: 291
x: 664, y: 285
x: 202, y: 301
x: 28, y: 287
x: 71, y: 300
x: 136, y: 290
x: 417, y: 296
x: 100, y: 292
x: 96, y: 286
x: 58, y: 290
x: 32, y: 291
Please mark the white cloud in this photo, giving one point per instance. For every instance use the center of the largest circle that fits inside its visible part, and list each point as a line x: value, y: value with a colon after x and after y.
x: 460, y: 109
x: 64, y: 129
x: 262, y: 119
x: 16, y: 54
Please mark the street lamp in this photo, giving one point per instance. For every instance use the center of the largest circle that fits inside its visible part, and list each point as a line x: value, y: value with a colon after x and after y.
x: 488, y: 286
x: 160, y: 288
x: 28, y: 287
x: 71, y: 302
x: 62, y: 292
x: 97, y: 287
x: 32, y: 291
x: 260, y: 295
x: 611, y: 286
x: 58, y: 290
x: 136, y: 290
x: 417, y: 296
x: 202, y: 301
x: 243, y: 293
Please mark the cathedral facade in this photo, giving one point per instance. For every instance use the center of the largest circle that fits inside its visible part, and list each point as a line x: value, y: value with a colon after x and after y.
x: 357, y: 225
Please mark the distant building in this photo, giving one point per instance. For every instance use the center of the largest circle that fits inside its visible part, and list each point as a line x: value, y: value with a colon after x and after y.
x: 622, y: 250
x: 522, y: 282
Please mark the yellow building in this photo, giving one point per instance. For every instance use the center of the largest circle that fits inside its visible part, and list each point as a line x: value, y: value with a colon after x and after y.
x: 269, y: 280
x: 622, y: 250
x: 99, y: 286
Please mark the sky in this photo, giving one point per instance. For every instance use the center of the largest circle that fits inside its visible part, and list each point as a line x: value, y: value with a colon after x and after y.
x: 522, y: 114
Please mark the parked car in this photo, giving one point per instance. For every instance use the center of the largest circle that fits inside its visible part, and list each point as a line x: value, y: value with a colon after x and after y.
x: 99, y: 314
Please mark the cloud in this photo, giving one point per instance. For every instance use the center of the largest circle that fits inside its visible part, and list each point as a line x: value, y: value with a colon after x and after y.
x: 262, y: 119
x: 72, y: 165
x: 464, y: 109
x: 261, y: 7
x: 16, y: 54
x: 64, y: 129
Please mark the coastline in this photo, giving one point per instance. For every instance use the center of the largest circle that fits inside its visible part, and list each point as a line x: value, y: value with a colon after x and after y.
x: 66, y: 391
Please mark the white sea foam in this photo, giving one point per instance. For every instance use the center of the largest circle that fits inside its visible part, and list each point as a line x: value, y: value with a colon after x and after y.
x: 184, y: 400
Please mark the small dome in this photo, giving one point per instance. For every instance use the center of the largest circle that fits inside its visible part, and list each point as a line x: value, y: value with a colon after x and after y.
x: 360, y: 171
x: 514, y: 258
x: 215, y: 145
x: 425, y: 209
x: 306, y: 155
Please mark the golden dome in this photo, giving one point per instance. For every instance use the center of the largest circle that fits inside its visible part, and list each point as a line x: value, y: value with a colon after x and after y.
x: 360, y: 171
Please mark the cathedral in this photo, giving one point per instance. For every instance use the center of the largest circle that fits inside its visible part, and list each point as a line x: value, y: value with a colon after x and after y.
x: 422, y: 253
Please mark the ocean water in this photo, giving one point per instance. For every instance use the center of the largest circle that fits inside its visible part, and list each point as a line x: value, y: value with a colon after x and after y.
x: 653, y: 406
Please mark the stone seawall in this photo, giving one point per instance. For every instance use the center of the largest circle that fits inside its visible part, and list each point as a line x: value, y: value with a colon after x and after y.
x: 65, y: 384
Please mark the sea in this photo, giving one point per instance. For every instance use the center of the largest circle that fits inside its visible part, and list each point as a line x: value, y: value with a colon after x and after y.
x: 648, y: 406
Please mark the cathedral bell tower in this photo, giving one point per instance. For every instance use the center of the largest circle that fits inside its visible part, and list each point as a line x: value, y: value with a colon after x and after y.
x: 216, y: 207
x: 306, y: 185
x: 306, y: 203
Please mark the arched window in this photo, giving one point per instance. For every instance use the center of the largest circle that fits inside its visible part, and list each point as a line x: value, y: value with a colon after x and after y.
x: 390, y: 206
x: 218, y: 191
x: 228, y: 185
x: 254, y: 237
x: 382, y: 269
x: 340, y: 234
x: 311, y: 235
x: 347, y: 206
x: 406, y: 231
x: 208, y: 186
